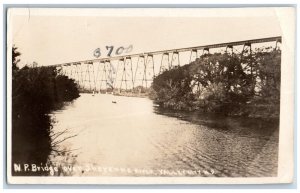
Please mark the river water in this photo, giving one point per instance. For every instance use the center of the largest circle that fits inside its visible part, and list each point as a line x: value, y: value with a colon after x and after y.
x: 134, y: 137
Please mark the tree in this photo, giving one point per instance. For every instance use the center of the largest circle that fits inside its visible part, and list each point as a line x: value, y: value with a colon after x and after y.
x: 223, y: 83
x: 15, y: 59
x: 36, y: 91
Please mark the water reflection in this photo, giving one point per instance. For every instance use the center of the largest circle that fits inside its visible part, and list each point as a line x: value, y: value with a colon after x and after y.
x: 132, y: 137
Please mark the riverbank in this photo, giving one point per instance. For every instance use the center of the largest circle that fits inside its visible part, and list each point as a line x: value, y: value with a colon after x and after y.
x: 36, y: 92
x: 265, y: 111
x: 131, y: 94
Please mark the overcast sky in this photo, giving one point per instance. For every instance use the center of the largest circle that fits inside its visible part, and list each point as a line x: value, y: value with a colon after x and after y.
x: 62, y: 36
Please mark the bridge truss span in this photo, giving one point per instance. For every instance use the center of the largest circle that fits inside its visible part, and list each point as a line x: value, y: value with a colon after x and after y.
x: 136, y: 71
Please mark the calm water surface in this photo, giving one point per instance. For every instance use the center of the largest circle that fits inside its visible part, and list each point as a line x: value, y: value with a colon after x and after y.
x: 134, y: 137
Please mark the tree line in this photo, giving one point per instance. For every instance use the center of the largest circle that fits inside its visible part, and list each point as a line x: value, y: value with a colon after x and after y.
x: 36, y: 92
x: 245, y: 84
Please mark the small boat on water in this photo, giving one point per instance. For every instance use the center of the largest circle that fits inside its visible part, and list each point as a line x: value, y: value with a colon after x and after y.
x: 114, y: 102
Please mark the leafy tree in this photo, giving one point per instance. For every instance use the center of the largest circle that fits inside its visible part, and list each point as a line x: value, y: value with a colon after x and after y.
x: 15, y: 59
x: 36, y: 92
x: 224, y: 83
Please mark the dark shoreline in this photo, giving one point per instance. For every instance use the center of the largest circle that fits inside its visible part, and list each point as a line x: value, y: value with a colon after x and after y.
x: 36, y: 93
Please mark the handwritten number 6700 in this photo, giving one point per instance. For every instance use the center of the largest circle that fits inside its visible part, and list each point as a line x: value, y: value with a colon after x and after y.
x: 110, y: 49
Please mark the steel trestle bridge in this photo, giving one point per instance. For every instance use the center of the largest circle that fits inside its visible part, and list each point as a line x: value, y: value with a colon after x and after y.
x: 127, y: 72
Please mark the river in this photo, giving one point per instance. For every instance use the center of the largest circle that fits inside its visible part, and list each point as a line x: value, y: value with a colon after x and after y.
x: 134, y: 137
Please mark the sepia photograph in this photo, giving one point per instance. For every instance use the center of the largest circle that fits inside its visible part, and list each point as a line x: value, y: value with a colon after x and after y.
x: 160, y: 95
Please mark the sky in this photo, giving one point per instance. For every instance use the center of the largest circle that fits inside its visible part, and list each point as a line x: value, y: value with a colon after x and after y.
x: 58, y: 35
